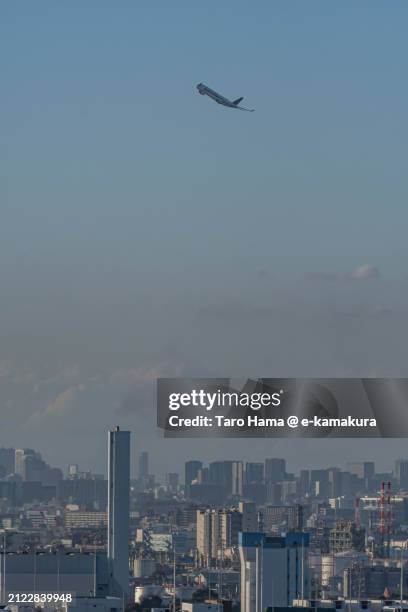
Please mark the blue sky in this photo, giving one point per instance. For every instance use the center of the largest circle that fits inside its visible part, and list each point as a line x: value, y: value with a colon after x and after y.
x: 143, y: 225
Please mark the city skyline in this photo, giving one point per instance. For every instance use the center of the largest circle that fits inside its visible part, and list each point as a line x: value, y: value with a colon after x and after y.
x: 139, y: 466
x: 255, y: 531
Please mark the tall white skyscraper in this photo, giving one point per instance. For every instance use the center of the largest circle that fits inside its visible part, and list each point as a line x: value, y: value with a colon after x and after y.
x: 118, y: 511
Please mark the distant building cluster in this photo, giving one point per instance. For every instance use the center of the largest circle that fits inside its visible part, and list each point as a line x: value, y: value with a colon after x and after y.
x: 227, y: 536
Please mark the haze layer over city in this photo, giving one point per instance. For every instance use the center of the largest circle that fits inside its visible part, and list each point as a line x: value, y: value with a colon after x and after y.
x: 148, y: 231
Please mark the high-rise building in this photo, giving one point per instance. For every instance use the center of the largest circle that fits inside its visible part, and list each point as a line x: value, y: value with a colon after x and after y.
x: 205, y: 536
x: 249, y: 516
x: 274, y: 570
x: 335, y: 482
x: 217, y: 530
x: 304, y: 483
x: 7, y: 460
x: 172, y: 480
x: 19, y: 467
x: 237, y: 477
x: 362, y: 469
x: 274, y: 493
x: 319, y: 483
x: 191, y: 469
x: 275, y: 470
x: 35, y: 469
x: 32, y: 468
x: 203, y: 475
x: 276, y: 519
x: 144, y: 465
x: 401, y: 473
x: 118, y: 511
x: 221, y: 474
x: 254, y: 473
x: 230, y: 525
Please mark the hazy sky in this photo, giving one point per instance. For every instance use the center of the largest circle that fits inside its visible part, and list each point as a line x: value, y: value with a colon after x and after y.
x: 147, y: 231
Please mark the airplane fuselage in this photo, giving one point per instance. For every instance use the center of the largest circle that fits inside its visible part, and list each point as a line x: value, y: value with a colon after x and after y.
x: 207, y: 91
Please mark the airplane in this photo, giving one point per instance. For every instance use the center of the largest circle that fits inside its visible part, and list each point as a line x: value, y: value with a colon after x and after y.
x: 206, y: 91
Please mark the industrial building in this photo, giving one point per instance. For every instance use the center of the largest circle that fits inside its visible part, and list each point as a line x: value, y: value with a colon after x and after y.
x: 82, y: 574
x: 274, y: 570
x: 77, y: 573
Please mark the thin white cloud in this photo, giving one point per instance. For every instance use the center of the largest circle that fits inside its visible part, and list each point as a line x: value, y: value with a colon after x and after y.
x: 62, y: 404
x: 145, y: 374
x: 366, y: 271
x: 359, y: 273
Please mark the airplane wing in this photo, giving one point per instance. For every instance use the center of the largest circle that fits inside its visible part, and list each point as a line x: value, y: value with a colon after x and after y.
x: 249, y: 110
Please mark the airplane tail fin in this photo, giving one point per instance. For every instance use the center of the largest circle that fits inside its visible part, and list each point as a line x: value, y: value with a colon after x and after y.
x: 237, y: 101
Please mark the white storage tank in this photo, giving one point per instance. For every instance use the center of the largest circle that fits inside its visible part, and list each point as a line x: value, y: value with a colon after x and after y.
x: 144, y: 568
x: 334, y: 564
